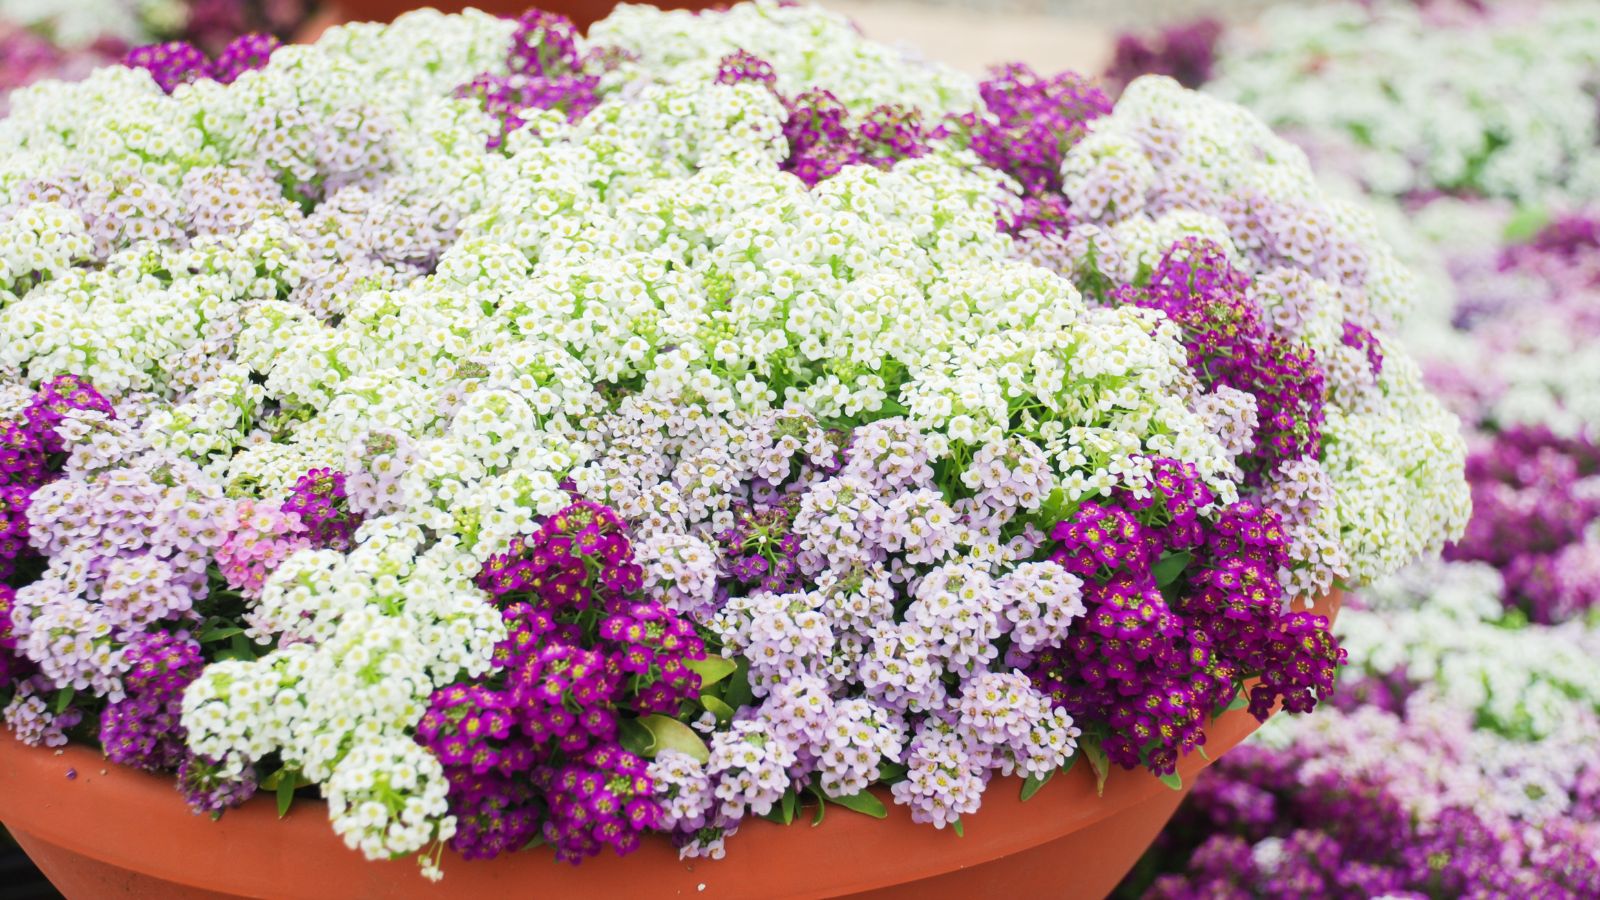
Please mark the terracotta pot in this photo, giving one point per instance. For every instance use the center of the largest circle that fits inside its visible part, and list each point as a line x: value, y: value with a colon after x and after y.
x: 582, y: 12
x: 99, y: 830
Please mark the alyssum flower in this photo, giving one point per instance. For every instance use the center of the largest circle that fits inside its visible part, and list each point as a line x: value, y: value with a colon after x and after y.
x: 523, y: 436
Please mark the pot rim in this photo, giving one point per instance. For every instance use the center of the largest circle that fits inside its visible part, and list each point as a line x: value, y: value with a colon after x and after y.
x: 76, y: 799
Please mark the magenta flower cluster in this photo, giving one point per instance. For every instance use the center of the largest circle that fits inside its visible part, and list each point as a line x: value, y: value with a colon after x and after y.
x: 13, y: 667
x: 823, y: 135
x: 143, y: 729
x: 322, y: 504
x: 1157, y: 654
x: 180, y: 62
x: 1532, y: 514
x: 28, y: 444
x: 1186, y: 52
x: 1028, y: 124
x: 546, y: 71
x: 533, y: 751
x: 1231, y: 344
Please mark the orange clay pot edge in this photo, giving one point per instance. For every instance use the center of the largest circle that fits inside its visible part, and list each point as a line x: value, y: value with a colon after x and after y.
x: 847, y: 853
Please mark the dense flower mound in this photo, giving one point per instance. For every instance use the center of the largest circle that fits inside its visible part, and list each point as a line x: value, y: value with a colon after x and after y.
x: 524, y: 437
x: 1485, y: 99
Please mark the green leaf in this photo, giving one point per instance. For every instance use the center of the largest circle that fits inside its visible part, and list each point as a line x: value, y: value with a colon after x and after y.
x: 1099, y: 762
x: 670, y: 734
x: 537, y: 841
x: 64, y: 699
x: 788, y: 803
x: 1240, y: 701
x: 1033, y: 783
x: 822, y: 805
x: 1524, y: 224
x: 712, y: 669
x: 634, y: 738
x: 1203, y: 754
x: 1173, y: 780
x: 738, y: 693
x: 220, y: 634
x: 890, y: 772
x: 241, y: 648
x: 866, y: 803
x: 716, y: 707
x: 958, y: 828
x: 1169, y: 567
x: 285, y: 795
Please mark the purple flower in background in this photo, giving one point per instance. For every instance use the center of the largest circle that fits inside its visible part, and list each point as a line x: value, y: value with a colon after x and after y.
x: 1534, y: 502
x: 170, y: 64
x: 244, y: 54
x: 824, y: 137
x: 740, y: 66
x: 1186, y: 52
x: 1029, y: 122
x: 1376, y: 812
x: 544, y: 44
x: 26, y: 57
x: 547, y: 73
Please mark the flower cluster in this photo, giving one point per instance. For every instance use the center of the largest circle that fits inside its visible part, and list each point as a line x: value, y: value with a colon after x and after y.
x: 1509, y: 348
x: 1536, y: 498
x: 545, y: 71
x: 179, y: 62
x: 143, y: 729
x: 30, y: 450
x: 536, y: 752
x: 13, y: 668
x: 1234, y: 350
x: 1154, y: 670
x: 1185, y: 52
x: 690, y: 421
x: 1024, y: 129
